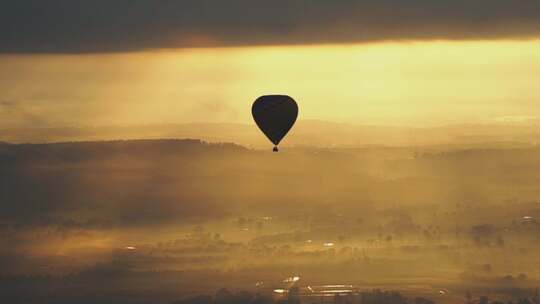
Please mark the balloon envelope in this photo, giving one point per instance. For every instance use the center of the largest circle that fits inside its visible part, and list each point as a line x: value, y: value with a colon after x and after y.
x: 275, y: 115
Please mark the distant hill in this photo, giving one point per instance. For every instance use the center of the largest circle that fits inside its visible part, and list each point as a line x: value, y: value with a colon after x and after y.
x: 146, y: 183
x: 311, y: 133
x: 112, y: 150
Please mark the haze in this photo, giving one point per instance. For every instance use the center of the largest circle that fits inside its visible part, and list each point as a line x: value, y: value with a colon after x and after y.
x: 131, y: 170
x: 412, y: 83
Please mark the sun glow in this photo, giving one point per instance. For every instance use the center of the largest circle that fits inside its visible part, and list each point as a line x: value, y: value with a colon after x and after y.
x: 419, y: 83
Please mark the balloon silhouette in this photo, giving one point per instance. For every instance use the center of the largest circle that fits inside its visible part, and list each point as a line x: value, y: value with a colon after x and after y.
x: 275, y: 115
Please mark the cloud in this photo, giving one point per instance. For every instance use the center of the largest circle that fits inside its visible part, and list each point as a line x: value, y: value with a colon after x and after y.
x: 7, y: 103
x: 66, y: 26
x: 16, y: 113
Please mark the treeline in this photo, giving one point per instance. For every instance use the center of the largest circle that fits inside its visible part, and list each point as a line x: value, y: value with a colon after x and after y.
x: 224, y: 296
x: 96, y: 150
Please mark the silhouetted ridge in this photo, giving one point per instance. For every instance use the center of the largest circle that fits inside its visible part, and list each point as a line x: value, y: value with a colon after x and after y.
x: 148, y: 149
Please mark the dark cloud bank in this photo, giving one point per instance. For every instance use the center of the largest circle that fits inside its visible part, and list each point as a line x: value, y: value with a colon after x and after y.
x: 66, y: 26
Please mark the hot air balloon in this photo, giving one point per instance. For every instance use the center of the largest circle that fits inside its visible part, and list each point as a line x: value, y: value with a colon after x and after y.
x: 275, y: 115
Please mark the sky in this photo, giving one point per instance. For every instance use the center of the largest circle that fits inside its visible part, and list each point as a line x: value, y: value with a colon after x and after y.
x: 417, y: 62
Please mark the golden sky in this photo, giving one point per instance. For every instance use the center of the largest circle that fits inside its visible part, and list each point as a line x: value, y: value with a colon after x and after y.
x: 411, y: 83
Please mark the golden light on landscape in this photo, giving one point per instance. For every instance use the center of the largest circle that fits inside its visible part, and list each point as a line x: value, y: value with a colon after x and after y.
x: 270, y: 152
